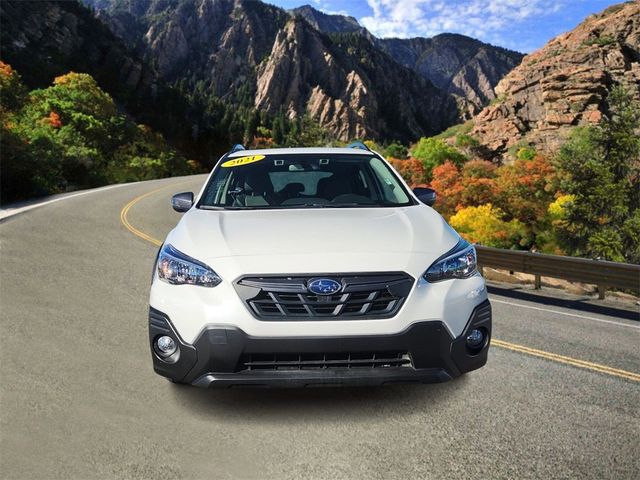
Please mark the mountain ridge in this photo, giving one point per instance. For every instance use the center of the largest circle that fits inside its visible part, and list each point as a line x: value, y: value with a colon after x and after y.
x: 459, y: 65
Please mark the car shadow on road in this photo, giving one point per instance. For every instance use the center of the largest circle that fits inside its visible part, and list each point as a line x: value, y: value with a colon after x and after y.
x: 297, y: 405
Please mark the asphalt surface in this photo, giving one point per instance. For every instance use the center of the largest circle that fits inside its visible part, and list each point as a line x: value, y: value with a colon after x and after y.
x: 79, y: 398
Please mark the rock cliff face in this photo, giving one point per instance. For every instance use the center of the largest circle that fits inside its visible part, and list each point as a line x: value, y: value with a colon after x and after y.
x: 253, y: 54
x: 565, y: 83
x: 353, y: 98
x: 457, y: 64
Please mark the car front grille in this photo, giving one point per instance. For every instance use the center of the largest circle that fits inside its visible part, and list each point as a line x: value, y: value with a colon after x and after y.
x: 314, y: 361
x: 361, y: 296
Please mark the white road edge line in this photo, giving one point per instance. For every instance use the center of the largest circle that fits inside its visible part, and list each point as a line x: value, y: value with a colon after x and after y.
x: 11, y: 211
x: 583, y: 317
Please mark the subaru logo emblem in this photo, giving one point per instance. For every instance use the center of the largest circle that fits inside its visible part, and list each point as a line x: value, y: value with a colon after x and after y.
x: 324, y: 286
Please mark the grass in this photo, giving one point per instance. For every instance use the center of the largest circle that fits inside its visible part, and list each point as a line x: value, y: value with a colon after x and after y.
x: 600, y: 41
x: 499, y: 99
x: 455, y: 130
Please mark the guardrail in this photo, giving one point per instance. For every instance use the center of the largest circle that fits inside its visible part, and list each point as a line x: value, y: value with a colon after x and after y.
x: 595, y: 272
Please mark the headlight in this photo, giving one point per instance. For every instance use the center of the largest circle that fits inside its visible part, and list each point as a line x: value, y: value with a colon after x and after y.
x: 179, y: 269
x: 461, y: 262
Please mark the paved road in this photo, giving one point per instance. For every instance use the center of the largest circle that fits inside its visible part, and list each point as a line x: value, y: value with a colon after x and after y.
x: 80, y: 399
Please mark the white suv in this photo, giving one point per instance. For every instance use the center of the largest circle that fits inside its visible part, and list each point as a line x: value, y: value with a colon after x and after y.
x: 308, y: 266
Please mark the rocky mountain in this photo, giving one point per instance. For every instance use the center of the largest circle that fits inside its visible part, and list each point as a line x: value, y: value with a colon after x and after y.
x: 459, y: 65
x: 327, y: 23
x: 254, y: 54
x: 564, y: 84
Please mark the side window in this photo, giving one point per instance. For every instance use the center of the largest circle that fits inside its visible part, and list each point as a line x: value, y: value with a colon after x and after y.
x: 391, y: 189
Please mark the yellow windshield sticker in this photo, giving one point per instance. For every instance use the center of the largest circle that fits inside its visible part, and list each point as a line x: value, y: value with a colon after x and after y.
x: 236, y: 162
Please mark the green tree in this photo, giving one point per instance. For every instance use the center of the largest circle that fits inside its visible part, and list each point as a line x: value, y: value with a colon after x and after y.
x: 396, y: 150
x: 600, y: 168
x: 312, y: 134
x: 278, y: 130
x: 433, y: 152
x: 236, y: 129
x: 251, y: 125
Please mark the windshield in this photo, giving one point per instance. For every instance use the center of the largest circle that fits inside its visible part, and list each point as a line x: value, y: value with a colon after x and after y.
x: 304, y: 181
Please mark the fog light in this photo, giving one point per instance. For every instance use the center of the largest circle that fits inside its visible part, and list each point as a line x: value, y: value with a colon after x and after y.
x: 475, y: 338
x: 166, y: 346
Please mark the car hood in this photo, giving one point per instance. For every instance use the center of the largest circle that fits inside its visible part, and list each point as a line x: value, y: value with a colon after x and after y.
x: 314, y: 239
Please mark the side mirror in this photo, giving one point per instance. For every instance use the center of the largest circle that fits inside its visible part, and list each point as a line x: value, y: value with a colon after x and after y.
x: 181, y: 202
x: 425, y: 195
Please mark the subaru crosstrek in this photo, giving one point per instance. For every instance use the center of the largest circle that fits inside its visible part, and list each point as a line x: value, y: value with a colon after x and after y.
x: 314, y: 266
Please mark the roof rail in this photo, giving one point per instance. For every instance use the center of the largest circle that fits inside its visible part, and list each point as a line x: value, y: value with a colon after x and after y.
x: 236, y: 148
x: 359, y: 144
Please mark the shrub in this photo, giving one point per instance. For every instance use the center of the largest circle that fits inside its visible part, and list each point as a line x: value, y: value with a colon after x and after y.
x: 526, y: 153
x: 396, y: 150
x: 484, y: 224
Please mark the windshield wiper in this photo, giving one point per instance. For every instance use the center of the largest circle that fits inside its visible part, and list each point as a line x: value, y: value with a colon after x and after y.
x: 353, y: 204
x: 328, y: 205
x: 227, y: 207
x: 284, y: 207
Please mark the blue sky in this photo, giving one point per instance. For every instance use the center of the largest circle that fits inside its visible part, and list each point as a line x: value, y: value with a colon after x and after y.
x: 522, y: 25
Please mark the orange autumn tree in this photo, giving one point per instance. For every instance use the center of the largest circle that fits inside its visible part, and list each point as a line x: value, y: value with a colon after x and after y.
x: 53, y: 119
x: 446, y: 182
x: 478, y: 183
x: 411, y: 170
x: 526, y: 188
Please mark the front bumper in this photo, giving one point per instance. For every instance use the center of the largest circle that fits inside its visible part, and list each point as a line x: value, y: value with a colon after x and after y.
x: 216, y: 357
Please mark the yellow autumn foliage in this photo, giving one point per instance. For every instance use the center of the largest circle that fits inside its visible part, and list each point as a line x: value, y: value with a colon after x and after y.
x: 557, y: 210
x: 484, y: 224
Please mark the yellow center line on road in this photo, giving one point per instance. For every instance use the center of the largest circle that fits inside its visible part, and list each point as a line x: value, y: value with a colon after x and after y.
x: 596, y: 367
x: 554, y: 357
x: 125, y: 211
